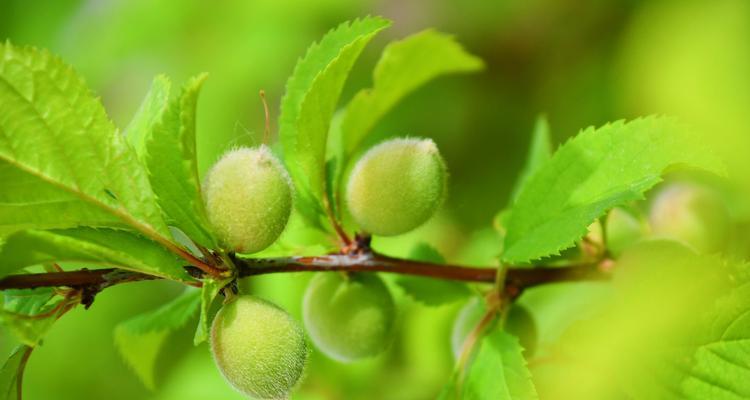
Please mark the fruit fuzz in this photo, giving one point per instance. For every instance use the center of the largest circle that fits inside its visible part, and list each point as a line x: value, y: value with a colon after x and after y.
x: 349, y: 317
x: 248, y: 196
x: 258, y: 347
x: 396, y: 186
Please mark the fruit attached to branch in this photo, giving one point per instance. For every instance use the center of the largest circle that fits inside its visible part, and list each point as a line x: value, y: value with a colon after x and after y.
x: 248, y: 196
x: 258, y: 347
x: 396, y: 186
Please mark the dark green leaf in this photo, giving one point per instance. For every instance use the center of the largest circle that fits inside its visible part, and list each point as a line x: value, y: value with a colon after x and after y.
x: 433, y: 292
x: 139, y: 339
x: 429, y: 291
x: 11, y: 375
x: 30, y: 313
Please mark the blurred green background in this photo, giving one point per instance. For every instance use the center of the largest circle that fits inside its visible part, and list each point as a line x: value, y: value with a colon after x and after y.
x: 580, y: 62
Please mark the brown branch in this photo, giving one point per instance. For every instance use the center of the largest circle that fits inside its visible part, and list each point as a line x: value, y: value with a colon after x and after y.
x: 516, y: 280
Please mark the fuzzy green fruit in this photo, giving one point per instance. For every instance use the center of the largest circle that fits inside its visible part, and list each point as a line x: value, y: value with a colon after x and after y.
x: 248, y: 196
x: 349, y: 317
x: 396, y: 186
x: 692, y: 214
x: 518, y: 323
x: 258, y: 347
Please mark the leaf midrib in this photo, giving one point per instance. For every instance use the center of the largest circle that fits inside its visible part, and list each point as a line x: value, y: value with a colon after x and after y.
x: 145, y: 229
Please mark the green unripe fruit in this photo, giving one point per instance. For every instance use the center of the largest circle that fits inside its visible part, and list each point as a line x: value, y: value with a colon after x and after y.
x: 248, y: 196
x: 258, y: 347
x: 396, y: 186
x: 518, y: 323
x: 349, y: 317
x: 692, y: 214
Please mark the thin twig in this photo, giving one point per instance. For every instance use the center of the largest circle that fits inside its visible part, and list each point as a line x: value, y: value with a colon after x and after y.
x: 516, y: 280
x: 267, y: 127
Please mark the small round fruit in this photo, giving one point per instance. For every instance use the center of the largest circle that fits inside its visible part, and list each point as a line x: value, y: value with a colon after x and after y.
x: 396, y: 186
x: 692, y: 214
x: 258, y: 347
x: 248, y: 196
x: 349, y: 317
x: 518, y: 323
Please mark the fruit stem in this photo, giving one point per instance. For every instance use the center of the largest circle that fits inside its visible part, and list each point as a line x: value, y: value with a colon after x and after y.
x: 267, y: 130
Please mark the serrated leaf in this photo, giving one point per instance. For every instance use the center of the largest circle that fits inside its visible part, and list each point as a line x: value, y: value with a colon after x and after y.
x: 498, y: 371
x: 149, y: 113
x: 404, y: 66
x: 209, y: 291
x: 30, y: 313
x: 11, y: 374
x: 720, y: 366
x: 140, y: 339
x: 429, y: 291
x: 312, y: 94
x: 62, y: 162
x: 104, y: 247
x: 597, y: 170
x: 173, y: 167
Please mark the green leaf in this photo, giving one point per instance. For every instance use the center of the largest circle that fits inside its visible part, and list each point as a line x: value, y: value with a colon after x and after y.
x: 312, y: 94
x: 30, y: 313
x: 209, y: 291
x: 101, y: 247
x: 720, y: 366
x: 540, y: 151
x: 498, y: 371
x: 139, y: 339
x: 173, y: 168
x: 404, y: 66
x: 592, y: 173
x: 149, y: 114
x: 433, y: 292
x: 11, y: 375
x: 429, y: 291
x: 62, y: 162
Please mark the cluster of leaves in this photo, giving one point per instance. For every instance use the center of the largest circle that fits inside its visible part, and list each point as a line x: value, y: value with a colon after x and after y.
x: 78, y: 192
